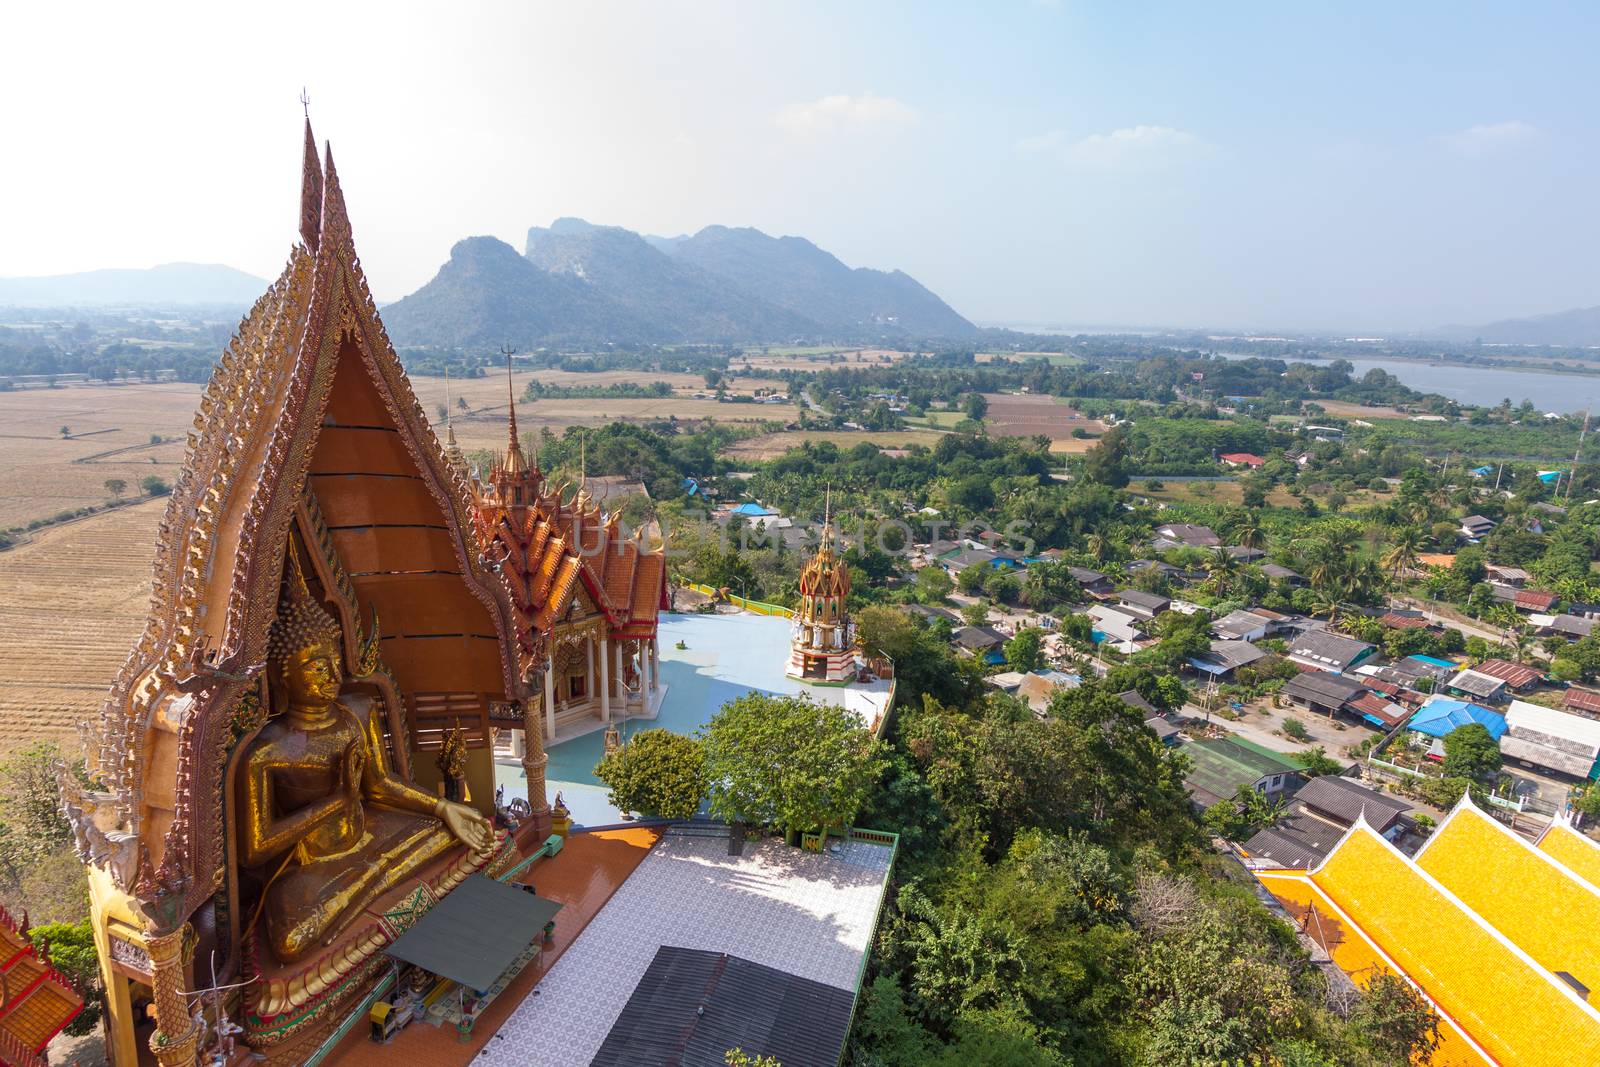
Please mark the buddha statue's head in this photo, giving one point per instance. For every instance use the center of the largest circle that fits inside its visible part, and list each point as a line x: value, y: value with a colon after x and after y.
x: 304, y: 648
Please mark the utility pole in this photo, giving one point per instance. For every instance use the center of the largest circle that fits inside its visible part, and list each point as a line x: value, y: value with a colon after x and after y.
x: 1572, y: 475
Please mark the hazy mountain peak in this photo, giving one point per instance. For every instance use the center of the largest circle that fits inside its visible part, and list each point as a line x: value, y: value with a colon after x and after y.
x: 578, y: 279
x: 164, y: 285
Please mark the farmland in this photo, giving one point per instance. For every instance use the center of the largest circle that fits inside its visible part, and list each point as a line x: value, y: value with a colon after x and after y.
x: 75, y: 600
x: 113, y: 429
x: 770, y: 446
x: 1024, y: 415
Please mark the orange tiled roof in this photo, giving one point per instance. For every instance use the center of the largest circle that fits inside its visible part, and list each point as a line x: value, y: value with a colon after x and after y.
x: 39, y: 1001
x: 1514, y: 1010
x: 1531, y: 897
x: 549, y: 546
x: 1578, y: 852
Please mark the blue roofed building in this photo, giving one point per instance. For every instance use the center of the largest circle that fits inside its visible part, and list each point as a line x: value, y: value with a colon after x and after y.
x: 1441, y: 716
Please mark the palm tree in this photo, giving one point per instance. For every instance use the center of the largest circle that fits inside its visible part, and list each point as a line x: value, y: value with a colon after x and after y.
x: 1518, y: 640
x: 1404, y: 547
x: 1324, y: 605
x: 1099, y: 546
x: 1247, y: 532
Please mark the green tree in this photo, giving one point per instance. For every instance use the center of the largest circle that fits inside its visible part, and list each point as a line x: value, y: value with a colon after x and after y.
x: 1106, y: 463
x: 933, y: 585
x: 1316, y: 762
x: 1471, y: 752
x: 1025, y: 651
x: 789, y: 762
x: 658, y: 773
x: 154, y: 486
x: 1395, y: 1022
x: 116, y: 487
x: 970, y: 579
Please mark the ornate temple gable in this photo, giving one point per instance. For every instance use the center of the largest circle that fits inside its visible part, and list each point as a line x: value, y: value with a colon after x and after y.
x: 310, y: 371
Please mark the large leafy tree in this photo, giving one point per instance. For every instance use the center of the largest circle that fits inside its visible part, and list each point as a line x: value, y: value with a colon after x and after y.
x: 789, y: 762
x: 658, y: 773
x: 1470, y: 752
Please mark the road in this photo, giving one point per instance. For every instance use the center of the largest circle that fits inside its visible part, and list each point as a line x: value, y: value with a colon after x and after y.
x: 1471, y: 629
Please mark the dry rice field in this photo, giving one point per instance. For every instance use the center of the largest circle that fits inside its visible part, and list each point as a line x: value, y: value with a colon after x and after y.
x: 74, y: 600
x: 1025, y: 415
x: 42, y: 472
x: 774, y: 445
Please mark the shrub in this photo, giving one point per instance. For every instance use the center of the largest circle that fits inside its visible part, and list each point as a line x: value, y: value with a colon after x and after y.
x: 658, y: 773
x: 1296, y: 729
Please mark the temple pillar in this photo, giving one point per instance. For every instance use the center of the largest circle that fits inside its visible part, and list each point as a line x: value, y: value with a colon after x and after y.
x: 605, y: 680
x: 550, y: 698
x: 176, y: 1041
x: 590, y: 679
x: 534, y: 762
x: 655, y: 662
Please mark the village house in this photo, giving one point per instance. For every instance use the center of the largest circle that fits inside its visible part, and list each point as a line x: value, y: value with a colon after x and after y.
x: 1519, y: 677
x: 985, y: 642
x: 1093, y: 583
x: 1241, y: 459
x: 1184, y: 535
x: 1321, y: 691
x: 1225, y: 657
x: 1242, y: 625
x: 1569, y: 626
x: 1329, y: 651
x: 1218, y: 767
x: 1117, y: 627
x: 1475, y: 528
x: 1141, y: 604
x: 1442, y: 716
x: 1476, y: 685
x: 1279, y: 573
x: 1558, y: 741
x: 1322, y: 811
x: 1584, y: 701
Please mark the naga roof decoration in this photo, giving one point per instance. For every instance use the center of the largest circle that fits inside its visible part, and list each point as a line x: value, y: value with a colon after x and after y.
x: 156, y: 754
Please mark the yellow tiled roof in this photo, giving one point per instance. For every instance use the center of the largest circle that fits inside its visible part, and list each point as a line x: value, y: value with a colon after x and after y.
x: 1516, y: 1010
x: 1546, y: 909
x: 1579, y: 852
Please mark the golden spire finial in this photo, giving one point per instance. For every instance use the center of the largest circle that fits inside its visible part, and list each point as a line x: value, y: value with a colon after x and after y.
x: 310, y: 184
x: 516, y: 462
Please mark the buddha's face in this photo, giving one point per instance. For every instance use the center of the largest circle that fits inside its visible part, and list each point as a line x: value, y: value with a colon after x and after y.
x: 312, y: 676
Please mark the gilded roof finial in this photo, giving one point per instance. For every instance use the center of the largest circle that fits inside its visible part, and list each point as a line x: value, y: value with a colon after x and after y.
x: 516, y: 462
x: 310, y: 185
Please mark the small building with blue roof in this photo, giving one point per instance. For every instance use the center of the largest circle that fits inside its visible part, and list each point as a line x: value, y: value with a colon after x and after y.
x: 1441, y: 716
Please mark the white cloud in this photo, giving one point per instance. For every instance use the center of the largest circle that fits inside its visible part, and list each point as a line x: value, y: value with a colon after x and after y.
x: 1129, y: 146
x: 842, y: 111
x: 1490, y: 137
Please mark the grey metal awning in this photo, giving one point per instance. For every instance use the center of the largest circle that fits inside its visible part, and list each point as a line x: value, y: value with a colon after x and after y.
x: 474, y: 933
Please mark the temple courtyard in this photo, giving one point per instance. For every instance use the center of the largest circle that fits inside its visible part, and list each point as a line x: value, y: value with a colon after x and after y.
x: 722, y: 658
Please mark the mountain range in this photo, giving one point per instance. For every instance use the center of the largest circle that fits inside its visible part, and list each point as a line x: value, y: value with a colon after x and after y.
x: 164, y: 286
x: 579, y: 282
x: 1576, y: 328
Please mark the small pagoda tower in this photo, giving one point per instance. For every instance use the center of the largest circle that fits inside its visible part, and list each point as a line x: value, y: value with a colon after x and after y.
x: 822, y: 643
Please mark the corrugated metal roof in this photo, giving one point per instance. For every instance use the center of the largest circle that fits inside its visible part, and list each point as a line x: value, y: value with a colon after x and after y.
x: 475, y: 932
x: 693, y: 1005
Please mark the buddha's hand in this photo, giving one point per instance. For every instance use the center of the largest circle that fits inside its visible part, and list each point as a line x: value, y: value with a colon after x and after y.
x: 470, y: 827
x: 355, y: 762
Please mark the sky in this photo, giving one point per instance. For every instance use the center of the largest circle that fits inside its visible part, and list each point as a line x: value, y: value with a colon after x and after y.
x: 1354, y: 167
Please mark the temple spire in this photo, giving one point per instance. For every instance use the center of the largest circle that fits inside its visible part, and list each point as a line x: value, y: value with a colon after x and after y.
x: 310, y: 185
x: 516, y: 462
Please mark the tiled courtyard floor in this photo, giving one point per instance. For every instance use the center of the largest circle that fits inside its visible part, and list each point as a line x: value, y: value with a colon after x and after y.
x: 583, y: 877
x: 808, y: 914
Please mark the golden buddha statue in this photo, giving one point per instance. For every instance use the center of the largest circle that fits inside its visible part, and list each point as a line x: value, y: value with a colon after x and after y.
x: 324, y: 822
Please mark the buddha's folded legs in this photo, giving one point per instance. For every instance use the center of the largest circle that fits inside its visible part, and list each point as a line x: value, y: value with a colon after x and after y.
x: 310, y: 903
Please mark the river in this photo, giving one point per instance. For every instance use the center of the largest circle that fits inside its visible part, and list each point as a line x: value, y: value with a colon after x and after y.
x: 1485, y: 386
